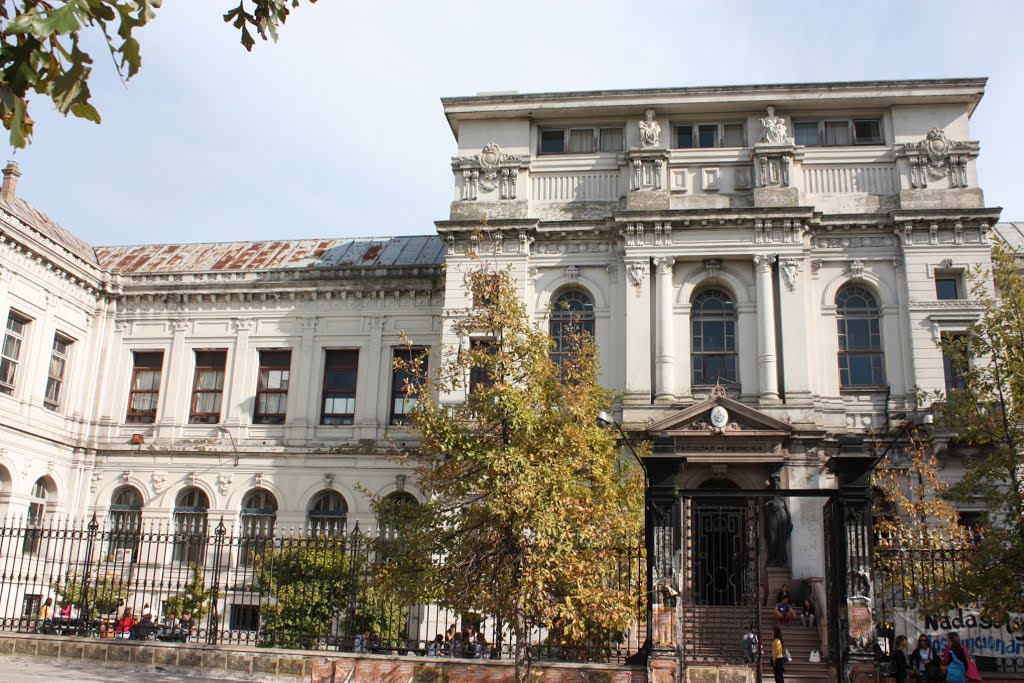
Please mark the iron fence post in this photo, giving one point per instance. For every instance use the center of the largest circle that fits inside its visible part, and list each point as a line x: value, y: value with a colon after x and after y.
x: 213, y: 625
x: 85, y: 613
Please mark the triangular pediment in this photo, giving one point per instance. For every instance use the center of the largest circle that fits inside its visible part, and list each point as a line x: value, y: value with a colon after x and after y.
x: 740, y: 420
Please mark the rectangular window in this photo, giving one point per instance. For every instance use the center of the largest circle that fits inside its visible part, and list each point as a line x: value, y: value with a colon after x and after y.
x: 952, y: 371
x: 145, y: 387
x: 552, y: 141
x: 947, y: 288
x: 272, y: 387
x: 612, y: 140
x: 806, y: 133
x: 732, y: 135
x: 684, y: 137
x: 581, y: 140
x: 245, y: 617
x: 401, y: 404
x: 55, y: 374
x: 10, y: 355
x: 867, y: 132
x: 691, y: 135
x: 480, y: 377
x: 339, y: 404
x: 208, y: 387
x: 838, y: 133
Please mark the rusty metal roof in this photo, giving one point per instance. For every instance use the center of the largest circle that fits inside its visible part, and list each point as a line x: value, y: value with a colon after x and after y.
x: 420, y: 250
x: 40, y: 222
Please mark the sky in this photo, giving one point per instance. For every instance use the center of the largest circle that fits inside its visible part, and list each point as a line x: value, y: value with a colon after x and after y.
x: 337, y: 130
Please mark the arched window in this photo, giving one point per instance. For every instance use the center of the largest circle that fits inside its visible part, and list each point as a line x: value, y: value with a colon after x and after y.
x: 713, y: 337
x: 41, y: 494
x: 125, y: 521
x: 259, y: 512
x: 190, y: 525
x: 572, y: 313
x: 861, y: 359
x: 327, y: 513
x: 390, y: 508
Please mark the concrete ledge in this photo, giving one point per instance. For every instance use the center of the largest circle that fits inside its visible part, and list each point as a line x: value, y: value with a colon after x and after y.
x: 270, y: 665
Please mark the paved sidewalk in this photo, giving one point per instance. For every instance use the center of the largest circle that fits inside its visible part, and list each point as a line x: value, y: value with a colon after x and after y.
x: 19, y: 670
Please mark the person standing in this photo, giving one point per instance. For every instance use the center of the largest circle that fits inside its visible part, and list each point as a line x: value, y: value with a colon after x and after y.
x: 899, y: 660
x: 778, y: 656
x: 956, y: 660
x: 925, y: 660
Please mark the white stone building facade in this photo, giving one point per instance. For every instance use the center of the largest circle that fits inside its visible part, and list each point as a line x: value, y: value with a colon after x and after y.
x: 801, y: 246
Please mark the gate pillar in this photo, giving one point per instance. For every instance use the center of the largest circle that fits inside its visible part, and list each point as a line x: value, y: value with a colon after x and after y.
x: 849, y: 572
x: 663, y: 519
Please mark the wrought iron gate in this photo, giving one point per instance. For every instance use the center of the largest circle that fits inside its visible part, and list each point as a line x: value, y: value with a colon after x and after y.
x: 721, y: 577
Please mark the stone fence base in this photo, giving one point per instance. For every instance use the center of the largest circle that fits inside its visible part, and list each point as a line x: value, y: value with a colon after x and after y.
x: 291, y: 666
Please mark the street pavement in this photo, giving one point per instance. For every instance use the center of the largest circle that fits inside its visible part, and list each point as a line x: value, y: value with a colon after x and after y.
x: 19, y: 670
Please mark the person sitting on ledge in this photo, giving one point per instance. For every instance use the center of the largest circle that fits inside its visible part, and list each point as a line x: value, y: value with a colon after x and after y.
x: 783, y: 593
x: 808, y: 616
x: 784, y: 611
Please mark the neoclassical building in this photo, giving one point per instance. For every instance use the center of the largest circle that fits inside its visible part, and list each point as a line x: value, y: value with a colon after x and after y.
x: 787, y: 254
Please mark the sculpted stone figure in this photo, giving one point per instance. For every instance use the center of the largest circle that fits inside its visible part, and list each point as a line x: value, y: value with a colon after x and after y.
x: 774, y: 128
x: 778, y: 526
x: 649, y: 130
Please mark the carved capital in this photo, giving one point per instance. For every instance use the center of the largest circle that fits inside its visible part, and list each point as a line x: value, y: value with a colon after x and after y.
x: 663, y: 265
x: 180, y: 324
x: 242, y: 324
x: 763, y: 263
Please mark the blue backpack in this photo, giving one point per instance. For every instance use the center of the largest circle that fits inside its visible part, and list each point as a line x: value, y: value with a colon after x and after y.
x: 957, y: 670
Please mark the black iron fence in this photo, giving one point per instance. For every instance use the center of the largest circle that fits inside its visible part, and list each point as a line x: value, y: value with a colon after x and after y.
x: 911, y: 575
x: 265, y: 587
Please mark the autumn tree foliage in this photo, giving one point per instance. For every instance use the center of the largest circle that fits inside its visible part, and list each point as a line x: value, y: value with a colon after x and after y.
x: 525, y: 500
x: 42, y: 50
x: 986, y: 418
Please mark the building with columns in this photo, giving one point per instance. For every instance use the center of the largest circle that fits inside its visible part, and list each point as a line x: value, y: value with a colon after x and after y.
x: 766, y: 269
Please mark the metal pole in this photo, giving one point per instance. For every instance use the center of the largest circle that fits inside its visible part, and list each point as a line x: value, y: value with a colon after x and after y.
x: 85, y: 613
x: 213, y: 625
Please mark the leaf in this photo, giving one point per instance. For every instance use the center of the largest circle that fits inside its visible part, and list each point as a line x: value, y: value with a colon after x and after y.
x: 84, y: 110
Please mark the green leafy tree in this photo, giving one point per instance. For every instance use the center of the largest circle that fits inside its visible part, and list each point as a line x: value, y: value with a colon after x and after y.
x: 105, y: 591
x: 524, y: 498
x: 41, y: 49
x: 194, y: 597
x: 316, y: 583
x: 987, y: 419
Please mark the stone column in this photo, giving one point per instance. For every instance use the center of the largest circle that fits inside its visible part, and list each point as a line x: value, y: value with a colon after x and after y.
x: 177, y: 378
x: 769, y: 383
x: 666, y: 362
x: 638, y: 332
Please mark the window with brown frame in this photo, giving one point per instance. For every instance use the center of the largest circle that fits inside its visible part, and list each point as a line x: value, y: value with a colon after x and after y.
x: 145, y: 387
x: 55, y: 373
x: 339, y: 402
x: 480, y: 377
x: 272, y: 387
x: 401, y: 403
x: 10, y: 354
x: 208, y: 387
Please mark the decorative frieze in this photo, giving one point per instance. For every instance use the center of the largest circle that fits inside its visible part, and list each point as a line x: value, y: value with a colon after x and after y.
x: 573, y: 248
x: 784, y: 232
x: 854, y: 241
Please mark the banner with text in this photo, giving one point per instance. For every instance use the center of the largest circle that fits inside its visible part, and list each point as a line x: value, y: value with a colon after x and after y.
x: 981, y: 636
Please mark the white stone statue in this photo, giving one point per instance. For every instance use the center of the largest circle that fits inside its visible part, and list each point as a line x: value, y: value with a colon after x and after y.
x: 649, y: 130
x: 774, y: 128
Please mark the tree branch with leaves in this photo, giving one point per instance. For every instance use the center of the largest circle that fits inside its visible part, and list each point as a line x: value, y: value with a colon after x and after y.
x: 41, y: 49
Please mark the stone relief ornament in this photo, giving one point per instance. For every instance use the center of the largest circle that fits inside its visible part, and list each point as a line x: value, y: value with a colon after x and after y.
x: 159, y: 481
x: 224, y: 483
x: 650, y: 131
x: 487, y: 170
x: 637, y: 271
x: 857, y: 268
x: 790, y: 269
x: 774, y: 128
x: 938, y: 157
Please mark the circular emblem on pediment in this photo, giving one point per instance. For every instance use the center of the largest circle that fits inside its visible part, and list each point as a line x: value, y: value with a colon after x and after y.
x: 719, y: 417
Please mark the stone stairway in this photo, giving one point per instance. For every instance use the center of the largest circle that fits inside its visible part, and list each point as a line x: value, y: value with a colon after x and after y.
x: 799, y: 640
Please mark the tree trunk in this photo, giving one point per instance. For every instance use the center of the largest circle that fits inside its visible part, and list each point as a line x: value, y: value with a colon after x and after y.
x: 523, y: 656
